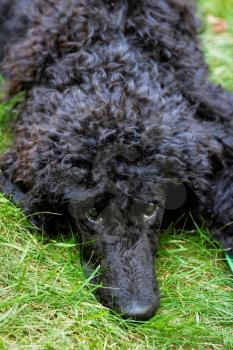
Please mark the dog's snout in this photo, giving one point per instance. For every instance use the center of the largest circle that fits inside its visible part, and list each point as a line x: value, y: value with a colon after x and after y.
x: 141, y: 310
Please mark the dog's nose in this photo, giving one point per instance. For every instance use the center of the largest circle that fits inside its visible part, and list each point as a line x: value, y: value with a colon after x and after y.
x: 140, y: 310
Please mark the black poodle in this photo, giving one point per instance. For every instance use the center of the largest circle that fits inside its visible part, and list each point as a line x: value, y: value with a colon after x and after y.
x: 119, y: 127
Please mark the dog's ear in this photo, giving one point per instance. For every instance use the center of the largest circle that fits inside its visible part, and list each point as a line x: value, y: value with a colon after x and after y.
x: 26, y: 60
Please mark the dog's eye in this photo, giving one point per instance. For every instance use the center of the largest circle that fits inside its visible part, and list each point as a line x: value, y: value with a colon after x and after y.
x: 151, y: 214
x: 149, y: 210
x: 93, y: 214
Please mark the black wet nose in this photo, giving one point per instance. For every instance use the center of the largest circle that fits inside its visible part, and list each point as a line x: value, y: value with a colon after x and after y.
x: 140, y: 310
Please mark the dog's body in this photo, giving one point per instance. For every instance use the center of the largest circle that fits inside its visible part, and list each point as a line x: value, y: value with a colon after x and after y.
x: 119, y: 117
x: 14, y: 22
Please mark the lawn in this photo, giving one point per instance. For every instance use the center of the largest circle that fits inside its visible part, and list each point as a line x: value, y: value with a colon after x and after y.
x: 47, y: 303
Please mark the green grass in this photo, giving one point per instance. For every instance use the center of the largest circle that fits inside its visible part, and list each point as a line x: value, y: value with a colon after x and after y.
x: 219, y: 47
x: 46, y: 302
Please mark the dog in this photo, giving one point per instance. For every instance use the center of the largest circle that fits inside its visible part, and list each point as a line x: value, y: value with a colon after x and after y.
x: 119, y: 129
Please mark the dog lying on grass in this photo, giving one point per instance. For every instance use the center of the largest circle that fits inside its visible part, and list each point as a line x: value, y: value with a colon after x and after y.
x: 119, y: 127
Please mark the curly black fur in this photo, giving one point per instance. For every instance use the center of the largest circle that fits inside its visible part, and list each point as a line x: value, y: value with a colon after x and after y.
x: 119, y: 117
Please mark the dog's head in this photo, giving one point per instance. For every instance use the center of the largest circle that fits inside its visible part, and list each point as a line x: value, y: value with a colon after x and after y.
x: 118, y: 217
x: 118, y: 220
x: 113, y: 182
x: 110, y: 167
